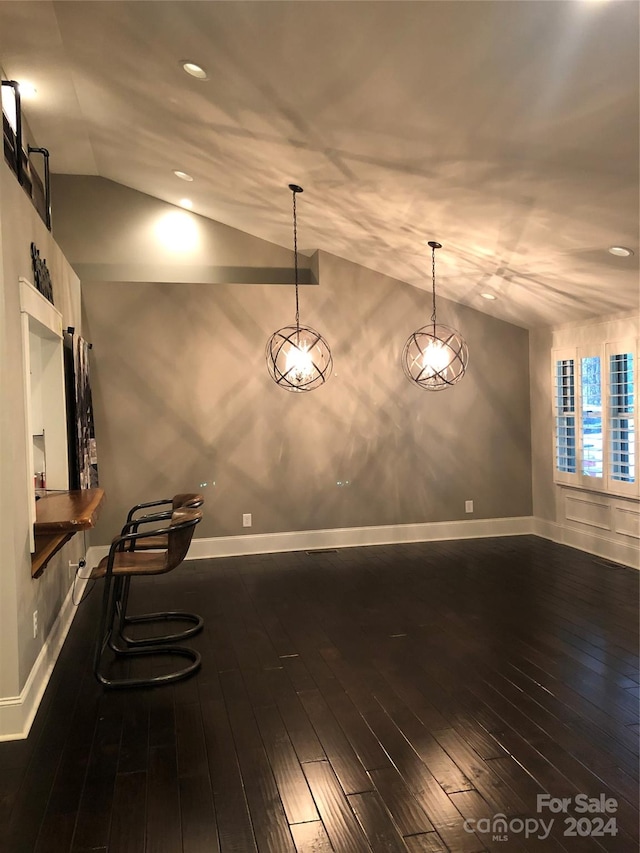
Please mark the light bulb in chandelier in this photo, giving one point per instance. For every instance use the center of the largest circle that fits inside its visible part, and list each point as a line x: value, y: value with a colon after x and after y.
x: 435, y: 356
x: 298, y: 357
x: 299, y: 364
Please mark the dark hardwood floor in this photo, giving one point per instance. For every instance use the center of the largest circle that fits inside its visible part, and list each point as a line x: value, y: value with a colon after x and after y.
x: 356, y: 700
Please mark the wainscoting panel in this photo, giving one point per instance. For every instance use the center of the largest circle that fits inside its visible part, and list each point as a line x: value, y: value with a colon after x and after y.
x: 605, y: 525
x: 586, y: 510
x: 626, y: 520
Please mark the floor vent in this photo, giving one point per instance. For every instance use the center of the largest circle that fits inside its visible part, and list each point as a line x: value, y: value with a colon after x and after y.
x: 321, y: 551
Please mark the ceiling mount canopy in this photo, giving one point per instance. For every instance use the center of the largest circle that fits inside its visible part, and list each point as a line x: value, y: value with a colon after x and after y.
x: 298, y: 357
x: 435, y: 356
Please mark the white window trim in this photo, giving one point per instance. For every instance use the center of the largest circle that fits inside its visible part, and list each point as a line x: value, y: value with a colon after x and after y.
x: 605, y: 484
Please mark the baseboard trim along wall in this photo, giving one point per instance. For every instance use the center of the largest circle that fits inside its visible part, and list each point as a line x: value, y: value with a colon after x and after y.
x: 627, y: 553
x: 591, y: 541
x: 346, y: 537
x: 17, y: 712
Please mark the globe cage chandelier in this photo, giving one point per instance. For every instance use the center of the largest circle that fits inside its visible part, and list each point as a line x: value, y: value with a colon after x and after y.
x: 435, y: 356
x: 298, y: 357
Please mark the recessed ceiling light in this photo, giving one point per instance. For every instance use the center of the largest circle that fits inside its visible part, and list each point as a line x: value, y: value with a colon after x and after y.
x: 186, y: 202
x: 182, y: 175
x: 27, y: 90
x: 194, y: 70
x: 488, y: 296
x: 620, y: 251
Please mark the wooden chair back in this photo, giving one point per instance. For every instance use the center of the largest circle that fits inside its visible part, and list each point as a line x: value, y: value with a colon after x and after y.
x: 190, y: 500
x: 183, y: 523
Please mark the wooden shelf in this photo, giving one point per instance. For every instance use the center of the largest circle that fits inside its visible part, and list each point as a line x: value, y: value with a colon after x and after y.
x: 58, y: 517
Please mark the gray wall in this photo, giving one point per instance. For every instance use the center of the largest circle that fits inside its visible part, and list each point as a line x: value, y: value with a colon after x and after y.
x: 544, y: 492
x: 182, y: 394
x: 20, y: 595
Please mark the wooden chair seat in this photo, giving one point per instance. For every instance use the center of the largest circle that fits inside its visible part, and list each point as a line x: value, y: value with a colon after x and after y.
x: 134, y: 563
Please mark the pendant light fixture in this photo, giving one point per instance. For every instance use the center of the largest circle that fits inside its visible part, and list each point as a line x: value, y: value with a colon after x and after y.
x: 298, y: 357
x: 435, y: 356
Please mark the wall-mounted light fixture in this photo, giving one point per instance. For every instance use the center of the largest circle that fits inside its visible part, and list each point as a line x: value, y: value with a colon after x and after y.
x: 298, y: 357
x: 435, y: 356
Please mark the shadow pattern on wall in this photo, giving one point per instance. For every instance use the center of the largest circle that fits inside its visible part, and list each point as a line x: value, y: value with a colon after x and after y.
x: 184, y: 401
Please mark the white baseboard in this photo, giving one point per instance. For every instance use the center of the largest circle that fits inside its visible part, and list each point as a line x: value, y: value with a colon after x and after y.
x: 350, y: 537
x: 592, y: 542
x: 17, y: 712
x: 345, y: 537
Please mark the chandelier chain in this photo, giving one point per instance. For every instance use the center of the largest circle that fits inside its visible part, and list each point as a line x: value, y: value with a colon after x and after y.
x: 298, y: 357
x: 295, y: 257
x: 433, y: 280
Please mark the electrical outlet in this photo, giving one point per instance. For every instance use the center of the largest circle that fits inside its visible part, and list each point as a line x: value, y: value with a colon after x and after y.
x: 468, y: 506
x: 246, y: 519
x: 74, y: 568
x: 35, y: 624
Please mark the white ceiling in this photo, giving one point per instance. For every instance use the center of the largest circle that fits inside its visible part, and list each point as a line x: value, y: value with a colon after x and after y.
x: 508, y: 131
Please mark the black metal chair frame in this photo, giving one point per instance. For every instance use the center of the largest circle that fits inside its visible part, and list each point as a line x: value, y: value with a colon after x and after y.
x: 163, y: 502
x: 132, y: 526
x: 114, y: 602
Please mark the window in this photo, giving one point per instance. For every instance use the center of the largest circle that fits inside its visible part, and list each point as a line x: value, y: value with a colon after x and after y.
x: 622, y: 422
x: 565, y: 416
x: 596, y: 444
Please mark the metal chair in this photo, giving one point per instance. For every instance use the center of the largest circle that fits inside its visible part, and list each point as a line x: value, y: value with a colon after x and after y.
x: 117, y: 569
x: 154, y: 542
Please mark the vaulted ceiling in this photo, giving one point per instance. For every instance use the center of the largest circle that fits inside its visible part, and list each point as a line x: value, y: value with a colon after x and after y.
x: 508, y: 131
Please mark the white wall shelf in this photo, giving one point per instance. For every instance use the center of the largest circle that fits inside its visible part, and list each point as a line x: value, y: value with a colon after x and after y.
x: 44, y: 394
